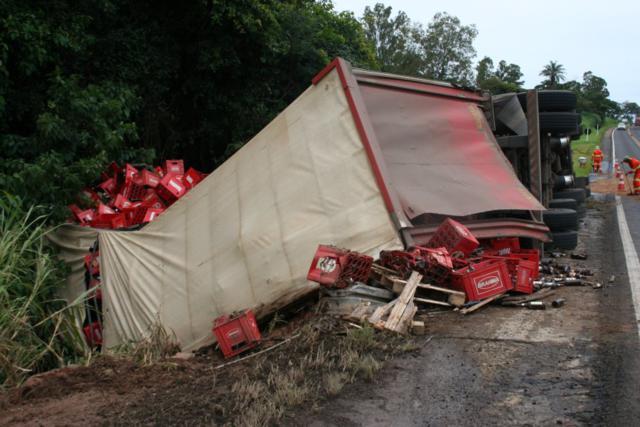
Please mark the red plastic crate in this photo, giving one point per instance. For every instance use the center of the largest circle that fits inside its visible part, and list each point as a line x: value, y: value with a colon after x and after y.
x: 109, y: 186
x: 175, y: 167
x: 119, y: 221
x: 483, y: 279
x: 130, y: 173
x: 505, y: 245
x: 93, y: 334
x: 335, y: 267
x: 236, y: 333
x: 104, y: 209
x: 149, y: 178
x: 455, y: 237
x: 87, y: 216
x: 152, y: 200
x: 192, y: 178
x: 532, y: 255
x: 151, y: 214
x: 121, y: 202
x: 133, y: 191
x: 521, y: 272
x: 171, y: 188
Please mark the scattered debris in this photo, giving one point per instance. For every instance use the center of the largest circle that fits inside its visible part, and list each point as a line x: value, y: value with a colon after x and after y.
x: 534, y: 305
x: 452, y: 271
x: 236, y: 333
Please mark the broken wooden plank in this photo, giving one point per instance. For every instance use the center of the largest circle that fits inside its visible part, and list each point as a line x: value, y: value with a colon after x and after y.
x: 432, y: 301
x: 481, y: 304
x: 455, y: 298
x: 360, y: 313
x: 404, y: 324
x: 384, y: 269
x: 394, y: 322
x: 380, y: 312
x: 417, y: 327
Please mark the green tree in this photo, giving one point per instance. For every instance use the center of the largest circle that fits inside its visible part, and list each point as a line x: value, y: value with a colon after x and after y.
x: 447, y: 48
x: 84, y: 83
x: 509, y: 73
x: 554, y: 73
x: 594, y: 96
x: 394, y: 39
x: 504, y: 79
x: 484, y: 70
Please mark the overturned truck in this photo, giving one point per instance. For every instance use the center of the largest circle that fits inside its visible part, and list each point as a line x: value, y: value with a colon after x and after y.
x: 361, y: 159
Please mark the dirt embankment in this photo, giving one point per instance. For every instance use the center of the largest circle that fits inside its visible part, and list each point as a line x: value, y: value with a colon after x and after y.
x: 321, y: 356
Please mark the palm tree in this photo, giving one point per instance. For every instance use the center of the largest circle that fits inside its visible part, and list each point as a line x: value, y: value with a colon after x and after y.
x: 554, y: 73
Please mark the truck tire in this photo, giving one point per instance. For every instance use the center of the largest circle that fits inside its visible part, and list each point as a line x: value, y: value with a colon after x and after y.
x: 556, y: 100
x: 577, y: 194
x: 560, y: 219
x: 563, y: 203
x: 559, y: 122
x: 564, y: 239
x: 581, y: 181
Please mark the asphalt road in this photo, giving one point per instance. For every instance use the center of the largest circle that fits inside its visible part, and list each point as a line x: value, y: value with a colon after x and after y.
x: 577, y: 365
x: 625, y: 145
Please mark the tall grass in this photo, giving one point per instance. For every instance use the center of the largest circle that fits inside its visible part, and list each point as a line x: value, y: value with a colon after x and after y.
x: 37, y: 330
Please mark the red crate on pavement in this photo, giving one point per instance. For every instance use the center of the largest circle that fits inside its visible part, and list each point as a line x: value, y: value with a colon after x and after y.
x: 521, y: 272
x: 335, y: 267
x: 175, y: 167
x: 455, y: 237
x: 171, y: 188
x: 483, y: 279
x: 532, y: 255
x: 236, y: 333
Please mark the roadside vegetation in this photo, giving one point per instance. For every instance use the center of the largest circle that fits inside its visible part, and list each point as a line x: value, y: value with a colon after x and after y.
x: 584, y: 146
x: 37, y: 330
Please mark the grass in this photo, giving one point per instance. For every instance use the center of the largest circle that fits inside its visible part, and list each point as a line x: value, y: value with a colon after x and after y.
x: 277, y: 382
x: 37, y: 330
x: 583, y: 147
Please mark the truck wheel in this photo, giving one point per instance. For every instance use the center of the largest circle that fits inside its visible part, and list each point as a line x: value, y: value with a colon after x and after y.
x: 564, y: 239
x: 558, y: 219
x: 556, y: 100
x: 559, y: 122
x: 581, y: 181
x: 577, y: 194
x: 563, y: 203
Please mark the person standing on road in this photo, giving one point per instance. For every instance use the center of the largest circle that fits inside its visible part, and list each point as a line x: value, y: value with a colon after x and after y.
x: 596, y: 159
x: 634, y: 164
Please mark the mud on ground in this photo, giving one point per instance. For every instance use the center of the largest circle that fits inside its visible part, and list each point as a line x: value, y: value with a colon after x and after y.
x: 321, y: 357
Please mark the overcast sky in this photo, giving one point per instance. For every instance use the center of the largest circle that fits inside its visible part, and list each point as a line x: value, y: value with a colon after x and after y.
x: 597, y: 36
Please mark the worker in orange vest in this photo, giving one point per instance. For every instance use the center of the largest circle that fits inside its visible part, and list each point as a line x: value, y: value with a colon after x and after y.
x: 596, y: 158
x: 634, y: 164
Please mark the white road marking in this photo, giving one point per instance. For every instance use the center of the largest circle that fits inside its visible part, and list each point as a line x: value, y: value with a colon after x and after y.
x: 613, y: 153
x: 631, y: 258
